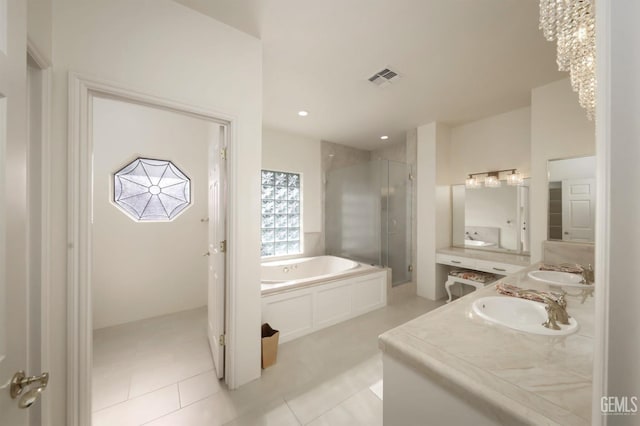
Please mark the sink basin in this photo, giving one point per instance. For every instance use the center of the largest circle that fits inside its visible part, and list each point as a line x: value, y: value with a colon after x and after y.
x: 477, y: 243
x: 519, y: 314
x: 564, y: 279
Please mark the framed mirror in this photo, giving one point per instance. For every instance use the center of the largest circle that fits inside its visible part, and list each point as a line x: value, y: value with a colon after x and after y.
x: 572, y: 199
x: 494, y: 219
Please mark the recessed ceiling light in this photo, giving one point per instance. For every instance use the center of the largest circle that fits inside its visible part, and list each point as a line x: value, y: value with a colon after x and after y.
x: 303, y: 113
x: 384, y: 138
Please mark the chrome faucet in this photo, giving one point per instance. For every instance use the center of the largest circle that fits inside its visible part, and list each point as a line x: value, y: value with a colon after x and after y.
x: 556, y: 308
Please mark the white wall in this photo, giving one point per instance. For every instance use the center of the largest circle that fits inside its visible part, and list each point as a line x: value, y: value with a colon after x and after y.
x: 167, y: 50
x: 495, y: 143
x: 559, y: 129
x: 289, y: 152
x: 572, y: 168
x: 39, y: 26
x: 146, y: 269
x: 618, y: 216
x: 433, y: 229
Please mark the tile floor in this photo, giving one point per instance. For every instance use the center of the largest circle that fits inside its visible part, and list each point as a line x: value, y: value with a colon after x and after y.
x: 159, y: 372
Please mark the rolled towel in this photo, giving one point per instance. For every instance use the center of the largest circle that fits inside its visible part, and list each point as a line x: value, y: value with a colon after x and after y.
x: 515, y: 291
x: 571, y: 268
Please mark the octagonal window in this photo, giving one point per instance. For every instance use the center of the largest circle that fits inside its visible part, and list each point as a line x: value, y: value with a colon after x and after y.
x: 151, y: 190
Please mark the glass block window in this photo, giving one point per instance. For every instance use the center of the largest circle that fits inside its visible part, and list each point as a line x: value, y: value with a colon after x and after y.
x: 151, y: 190
x: 281, y: 223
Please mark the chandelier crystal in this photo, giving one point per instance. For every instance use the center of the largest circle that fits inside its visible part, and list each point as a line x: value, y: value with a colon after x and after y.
x: 572, y: 23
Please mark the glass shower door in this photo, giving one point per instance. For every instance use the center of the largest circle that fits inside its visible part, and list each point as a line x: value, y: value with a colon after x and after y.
x: 396, y: 218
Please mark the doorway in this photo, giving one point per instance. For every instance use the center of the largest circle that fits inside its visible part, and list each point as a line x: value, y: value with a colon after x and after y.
x: 157, y: 193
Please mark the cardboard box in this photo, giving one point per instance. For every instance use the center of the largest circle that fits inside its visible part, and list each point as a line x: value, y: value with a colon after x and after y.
x: 269, y: 345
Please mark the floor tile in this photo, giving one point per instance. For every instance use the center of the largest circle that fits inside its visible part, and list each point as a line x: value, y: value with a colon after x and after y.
x: 319, y: 397
x: 215, y: 410
x: 139, y: 410
x: 198, y: 387
x: 164, y: 364
x: 362, y: 409
x: 275, y: 414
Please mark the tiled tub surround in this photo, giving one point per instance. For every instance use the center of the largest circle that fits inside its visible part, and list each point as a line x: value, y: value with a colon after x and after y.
x: 501, y: 375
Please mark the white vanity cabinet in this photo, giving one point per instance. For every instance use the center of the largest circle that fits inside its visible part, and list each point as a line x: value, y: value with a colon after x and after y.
x: 492, y: 266
x: 477, y: 260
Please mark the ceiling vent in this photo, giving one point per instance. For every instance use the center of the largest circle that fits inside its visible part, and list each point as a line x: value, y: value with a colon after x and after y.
x: 384, y: 78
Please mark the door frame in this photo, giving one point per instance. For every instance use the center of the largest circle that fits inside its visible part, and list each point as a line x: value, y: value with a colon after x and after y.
x: 82, y: 89
x: 45, y: 66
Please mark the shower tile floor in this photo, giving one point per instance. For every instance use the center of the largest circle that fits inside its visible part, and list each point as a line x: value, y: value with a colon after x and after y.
x: 159, y: 372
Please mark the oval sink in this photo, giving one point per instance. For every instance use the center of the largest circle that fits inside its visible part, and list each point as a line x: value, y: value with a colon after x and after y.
x: 477, y: 243
x: 558, y: 278
x: 519, y: 314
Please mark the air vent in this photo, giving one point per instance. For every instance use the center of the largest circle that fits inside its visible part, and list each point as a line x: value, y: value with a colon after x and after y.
x: 384, y: 78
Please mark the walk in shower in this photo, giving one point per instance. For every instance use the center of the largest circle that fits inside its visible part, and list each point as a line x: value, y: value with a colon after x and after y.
x: 368, y: 215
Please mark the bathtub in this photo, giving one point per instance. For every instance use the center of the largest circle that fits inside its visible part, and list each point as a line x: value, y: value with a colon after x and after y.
x: 300, y: 296
x: 306, y: 270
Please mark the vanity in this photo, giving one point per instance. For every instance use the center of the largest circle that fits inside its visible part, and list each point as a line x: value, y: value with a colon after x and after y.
x: 489, y: 358
x: 490, y: 235
x: 451, y: 366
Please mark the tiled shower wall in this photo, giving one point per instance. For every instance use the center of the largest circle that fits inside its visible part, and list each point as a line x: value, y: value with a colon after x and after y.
x: 335, y: 156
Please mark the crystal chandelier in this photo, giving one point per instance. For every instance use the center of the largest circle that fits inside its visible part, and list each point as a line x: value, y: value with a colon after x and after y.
x: 572, y: 23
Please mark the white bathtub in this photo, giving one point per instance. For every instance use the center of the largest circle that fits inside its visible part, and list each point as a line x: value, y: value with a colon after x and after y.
x: 305, y: 269
x: 300, y: 296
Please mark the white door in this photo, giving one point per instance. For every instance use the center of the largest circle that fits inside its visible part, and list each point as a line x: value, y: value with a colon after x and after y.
x: 13, y: 207
x: 217, y: 245
x: 578, y: 209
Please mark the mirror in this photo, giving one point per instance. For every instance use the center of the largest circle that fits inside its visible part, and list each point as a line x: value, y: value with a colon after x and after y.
x: 572, y: 199
x: 495, y: 219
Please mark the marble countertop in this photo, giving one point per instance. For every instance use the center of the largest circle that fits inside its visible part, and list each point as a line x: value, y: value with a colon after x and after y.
x: 491, y: 256
x: 538, y: 379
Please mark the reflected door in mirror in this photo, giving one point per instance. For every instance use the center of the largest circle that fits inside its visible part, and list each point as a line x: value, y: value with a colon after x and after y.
x: 578, y: 208
x: 572, y: 199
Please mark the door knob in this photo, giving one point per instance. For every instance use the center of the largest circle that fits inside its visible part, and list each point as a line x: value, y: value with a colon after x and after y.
x: 30, y: 397
x: 20, y: 381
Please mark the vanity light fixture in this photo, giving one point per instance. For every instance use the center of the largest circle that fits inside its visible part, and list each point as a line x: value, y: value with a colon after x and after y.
x: 492, y: 182
x: 515, y: 178
x: 492, y: 179
x: 303, y: 113
x: 472, y: 182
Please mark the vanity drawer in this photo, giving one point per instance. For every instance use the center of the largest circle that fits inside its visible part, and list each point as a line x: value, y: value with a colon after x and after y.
x: 461, y: 262
x: 497, y: 268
